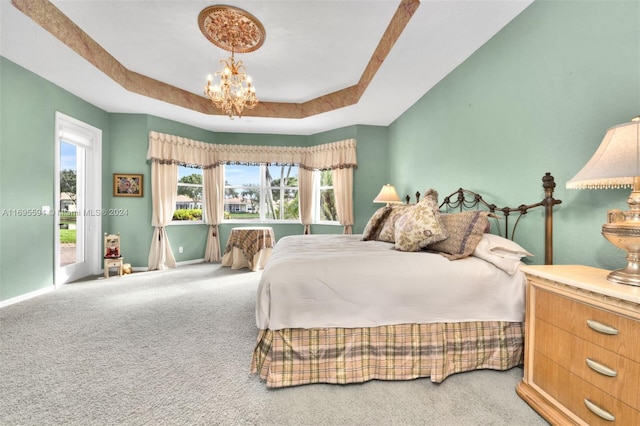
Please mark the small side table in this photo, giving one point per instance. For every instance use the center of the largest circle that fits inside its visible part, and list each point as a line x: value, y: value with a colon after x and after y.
x: 113, y: 263
x: 249, y: 247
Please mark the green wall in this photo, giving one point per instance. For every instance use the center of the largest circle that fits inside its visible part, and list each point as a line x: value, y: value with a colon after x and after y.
x: 128, y: 148
x: 538, y: 97
x: 27, y: 120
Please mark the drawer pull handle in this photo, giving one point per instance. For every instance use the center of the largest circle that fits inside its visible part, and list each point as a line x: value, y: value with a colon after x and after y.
x: 599, y: 411
x: 601, y: 328
x: 602, y: 369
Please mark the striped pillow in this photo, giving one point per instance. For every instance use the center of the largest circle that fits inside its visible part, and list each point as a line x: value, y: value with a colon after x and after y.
x: 465, y: 230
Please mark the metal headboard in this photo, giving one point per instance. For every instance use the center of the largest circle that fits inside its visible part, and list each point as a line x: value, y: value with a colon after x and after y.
x: 464, y: 199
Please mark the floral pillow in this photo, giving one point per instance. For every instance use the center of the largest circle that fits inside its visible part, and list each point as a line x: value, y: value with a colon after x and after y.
x: 374, y: 226
x: 465, y: 230
x: 387, y: 232
x: 420, y: 225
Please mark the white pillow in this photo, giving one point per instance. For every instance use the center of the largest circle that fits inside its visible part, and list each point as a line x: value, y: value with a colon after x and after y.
x: 502, y: 252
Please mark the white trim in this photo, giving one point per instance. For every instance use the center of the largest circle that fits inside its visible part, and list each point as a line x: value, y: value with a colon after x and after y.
x: 90, y: 139
x: 146, y: 268
x: 191, y: 262
x: 186, y: 222
x: 27, y: 296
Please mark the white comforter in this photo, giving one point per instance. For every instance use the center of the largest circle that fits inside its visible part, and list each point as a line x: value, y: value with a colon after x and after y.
x: 315, y: 281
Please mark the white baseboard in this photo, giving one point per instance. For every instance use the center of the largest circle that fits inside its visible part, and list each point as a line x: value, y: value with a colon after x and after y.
x: 186, y: 262
x: 26, y: 296
x: 37, y: 293
x: 190, y: 262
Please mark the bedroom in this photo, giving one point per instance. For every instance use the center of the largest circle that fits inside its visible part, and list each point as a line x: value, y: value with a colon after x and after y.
x: 537, y: 97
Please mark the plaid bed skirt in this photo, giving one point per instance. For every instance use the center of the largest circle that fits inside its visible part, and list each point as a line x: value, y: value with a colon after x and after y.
x: 292, y: 357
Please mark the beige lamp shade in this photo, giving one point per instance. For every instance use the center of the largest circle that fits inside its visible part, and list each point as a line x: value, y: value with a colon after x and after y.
x: 387, y: 195
x: 615, y: 163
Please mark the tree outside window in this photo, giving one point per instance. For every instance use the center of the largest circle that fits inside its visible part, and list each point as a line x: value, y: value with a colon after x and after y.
x: 189, y: 200
x: 261, y: 192
x: 282, y: 201
x: 326, y: 200
x: 271, y: 193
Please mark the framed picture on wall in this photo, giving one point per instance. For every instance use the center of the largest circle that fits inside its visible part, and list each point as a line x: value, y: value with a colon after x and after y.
x: 127, y: 185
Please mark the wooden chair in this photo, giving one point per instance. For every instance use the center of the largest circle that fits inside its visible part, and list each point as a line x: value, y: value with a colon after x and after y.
x: 112, y: 254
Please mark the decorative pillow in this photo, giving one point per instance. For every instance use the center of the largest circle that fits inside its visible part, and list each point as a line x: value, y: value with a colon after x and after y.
x: 502, y: 252
x: 420, y: 225
x: 372, y: 230
x: 387, y: 232
x: 465, y: 229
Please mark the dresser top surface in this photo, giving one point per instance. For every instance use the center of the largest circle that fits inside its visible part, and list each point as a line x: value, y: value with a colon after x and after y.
x: 585, y: 277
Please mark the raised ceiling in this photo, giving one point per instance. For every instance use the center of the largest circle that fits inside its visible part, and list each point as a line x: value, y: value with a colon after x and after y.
x: 325, y: 64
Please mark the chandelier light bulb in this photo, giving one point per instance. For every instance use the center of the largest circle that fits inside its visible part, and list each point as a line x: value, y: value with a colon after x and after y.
x: 233, y: 92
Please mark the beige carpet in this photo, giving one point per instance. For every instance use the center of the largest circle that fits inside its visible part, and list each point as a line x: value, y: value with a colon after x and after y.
x: 174, y: 348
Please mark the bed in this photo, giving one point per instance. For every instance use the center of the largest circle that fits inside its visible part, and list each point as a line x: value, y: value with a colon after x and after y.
x: 428, y: 290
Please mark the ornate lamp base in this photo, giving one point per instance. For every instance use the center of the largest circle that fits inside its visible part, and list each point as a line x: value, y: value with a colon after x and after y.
x: 622, y: 276
x: 623, y: 231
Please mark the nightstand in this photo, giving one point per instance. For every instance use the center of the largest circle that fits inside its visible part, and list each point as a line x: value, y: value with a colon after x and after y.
x: 582, y: 347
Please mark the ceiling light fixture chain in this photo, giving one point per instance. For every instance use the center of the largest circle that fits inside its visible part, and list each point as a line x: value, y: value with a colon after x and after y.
x: 234, y: 30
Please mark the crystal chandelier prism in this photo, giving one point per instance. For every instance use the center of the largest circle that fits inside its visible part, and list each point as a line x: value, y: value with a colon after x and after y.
x: 233, y: 91
x: 237, y: 31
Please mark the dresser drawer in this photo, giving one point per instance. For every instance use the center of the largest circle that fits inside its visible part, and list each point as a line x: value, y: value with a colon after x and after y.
x: 572, y: 352
x: 571, y: 391
x: 572, y: 316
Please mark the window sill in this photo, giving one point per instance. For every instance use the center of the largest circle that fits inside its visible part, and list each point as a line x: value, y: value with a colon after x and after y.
x: 186, y: 222
x: 262, y: 222
x: 276, y: 222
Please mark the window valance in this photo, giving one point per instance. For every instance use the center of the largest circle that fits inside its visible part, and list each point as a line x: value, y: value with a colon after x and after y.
x: 165, y: 148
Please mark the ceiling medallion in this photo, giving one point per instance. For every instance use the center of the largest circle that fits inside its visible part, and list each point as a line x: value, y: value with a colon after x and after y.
x: 231, y: 29
x: 234, y: 30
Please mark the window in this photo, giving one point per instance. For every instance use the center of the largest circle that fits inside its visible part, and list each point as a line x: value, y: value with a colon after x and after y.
x: 325, y: 205
x: 270, y: 193
x: 189, y: 200
x: 261, y: 192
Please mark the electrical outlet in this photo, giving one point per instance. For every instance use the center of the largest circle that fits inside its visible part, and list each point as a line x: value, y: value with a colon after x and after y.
x: 180, y: 249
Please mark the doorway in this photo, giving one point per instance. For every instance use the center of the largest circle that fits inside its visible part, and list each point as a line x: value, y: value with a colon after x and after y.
x: 78, y: 193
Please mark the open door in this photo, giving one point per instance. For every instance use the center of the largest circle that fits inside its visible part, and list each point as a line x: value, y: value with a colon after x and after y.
x: 78, y: 189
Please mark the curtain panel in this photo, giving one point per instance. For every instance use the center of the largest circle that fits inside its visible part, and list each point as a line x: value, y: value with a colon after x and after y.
x: 164, y: 191
x: 305, y: 198
x: 343, y: 191
x: 213, y: 210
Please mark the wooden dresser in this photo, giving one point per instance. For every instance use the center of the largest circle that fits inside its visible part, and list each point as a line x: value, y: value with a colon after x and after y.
x: 582, y: 347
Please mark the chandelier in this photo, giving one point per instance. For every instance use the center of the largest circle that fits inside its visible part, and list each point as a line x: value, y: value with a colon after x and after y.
x: 237, y: 31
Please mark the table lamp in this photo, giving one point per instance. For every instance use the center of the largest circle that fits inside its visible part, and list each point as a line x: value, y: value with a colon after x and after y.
x: 616, y: 164
x: 387, y: 195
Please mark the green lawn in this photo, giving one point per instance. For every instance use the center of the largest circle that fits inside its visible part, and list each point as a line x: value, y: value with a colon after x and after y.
x: 67, y: 236
x: 244, y: 215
